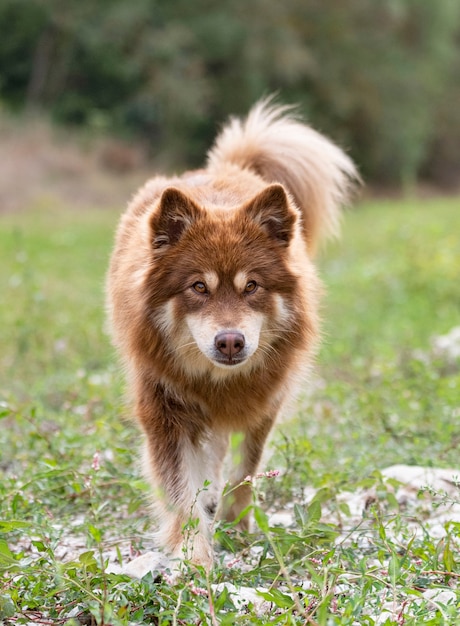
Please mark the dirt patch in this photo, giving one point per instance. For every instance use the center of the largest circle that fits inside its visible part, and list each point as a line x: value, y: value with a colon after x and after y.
x: 41, y: 164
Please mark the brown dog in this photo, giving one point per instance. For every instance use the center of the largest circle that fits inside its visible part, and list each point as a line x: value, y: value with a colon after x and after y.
x: 213, y: 301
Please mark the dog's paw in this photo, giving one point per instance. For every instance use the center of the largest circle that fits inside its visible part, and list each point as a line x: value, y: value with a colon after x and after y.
x: 155, y: 562
x: 197, y: 550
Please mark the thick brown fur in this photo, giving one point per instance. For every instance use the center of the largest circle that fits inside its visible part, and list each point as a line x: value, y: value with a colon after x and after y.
x: 213, y: 302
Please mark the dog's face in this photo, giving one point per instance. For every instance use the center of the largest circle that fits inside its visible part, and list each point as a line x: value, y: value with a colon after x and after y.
x: 220, y: 290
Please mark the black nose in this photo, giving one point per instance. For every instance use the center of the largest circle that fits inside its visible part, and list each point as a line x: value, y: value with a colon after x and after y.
x: 229, y: 343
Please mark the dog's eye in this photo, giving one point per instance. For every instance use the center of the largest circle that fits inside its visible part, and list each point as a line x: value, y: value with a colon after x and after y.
x: 200, y: 287
x: 250, y: 287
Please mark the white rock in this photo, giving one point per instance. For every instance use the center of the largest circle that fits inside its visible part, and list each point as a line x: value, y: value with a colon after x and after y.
x: 243, y: 596
x: 440, y: 596
x: 418, y: 477
x: 282, y: 518
x: 356, y: 502
x: 148, y: 562
x: 448, y: 345
x: 385, y: 614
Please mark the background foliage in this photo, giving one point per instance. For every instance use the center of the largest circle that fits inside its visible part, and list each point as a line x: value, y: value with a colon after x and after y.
x: 381, y: 78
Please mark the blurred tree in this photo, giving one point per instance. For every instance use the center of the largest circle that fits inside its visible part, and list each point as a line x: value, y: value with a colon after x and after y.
x: 21, y: 24
x: 381, y: 78
x: 379, y: 71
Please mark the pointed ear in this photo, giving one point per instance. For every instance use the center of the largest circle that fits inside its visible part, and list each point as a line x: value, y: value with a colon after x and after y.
x: 175, y: 213
x: 270, y: 209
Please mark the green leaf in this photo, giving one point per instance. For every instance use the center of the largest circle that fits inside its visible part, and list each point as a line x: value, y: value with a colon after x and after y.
x: 261, y: 519
x: 448, y: 558
x: 226, y: 541
x: 394, y: 569
x: 39, y: 545
x: 6, y: 527
x: 222, y: 598
x: 300, y: 515
x: 322, y: 495
x: 7, y: 558
x: 95, y: 533
x: 242, y: 514
x: 87, y: 558
x: 7, y: 608
x: 392, y: 500
x: 314, y: 512
x: 282, y: 600
x: 345, y: 509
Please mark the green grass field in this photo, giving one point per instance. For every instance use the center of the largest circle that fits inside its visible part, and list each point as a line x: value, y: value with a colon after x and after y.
x: 381, y: 395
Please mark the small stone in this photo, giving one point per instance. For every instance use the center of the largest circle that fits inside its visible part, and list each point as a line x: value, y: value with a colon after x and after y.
x: 282, y: 518
x: 243, y: 596
x: 148, y: 562
x: 440, y: 596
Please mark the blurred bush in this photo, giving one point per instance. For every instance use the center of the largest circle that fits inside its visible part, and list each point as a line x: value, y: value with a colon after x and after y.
x: 380, y: 77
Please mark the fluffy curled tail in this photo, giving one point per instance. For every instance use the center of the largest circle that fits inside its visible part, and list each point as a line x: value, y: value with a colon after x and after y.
x: 273, y: 143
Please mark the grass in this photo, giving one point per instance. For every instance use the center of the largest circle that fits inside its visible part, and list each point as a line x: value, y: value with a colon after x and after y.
x: 72, y: 501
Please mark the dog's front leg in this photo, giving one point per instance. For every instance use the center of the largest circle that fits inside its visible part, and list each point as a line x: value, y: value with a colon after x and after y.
x: 175, y: 464
x: 239, y: 493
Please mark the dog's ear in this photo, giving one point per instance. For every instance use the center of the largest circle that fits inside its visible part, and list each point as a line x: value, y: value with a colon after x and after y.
x: 270, y: 209
x: 175, y: 213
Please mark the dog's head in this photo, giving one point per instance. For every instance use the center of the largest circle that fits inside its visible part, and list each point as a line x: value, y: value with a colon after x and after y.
x: 221, y: 291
